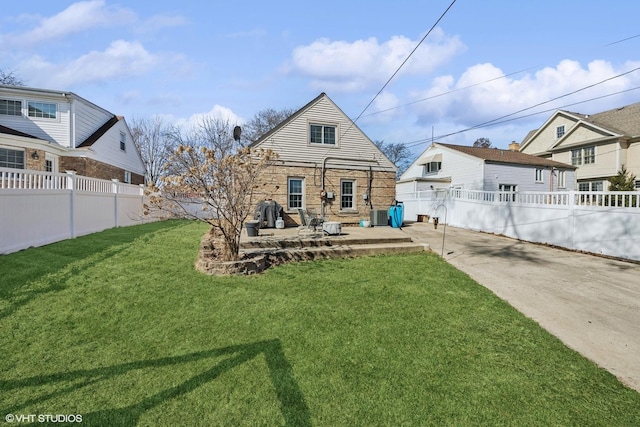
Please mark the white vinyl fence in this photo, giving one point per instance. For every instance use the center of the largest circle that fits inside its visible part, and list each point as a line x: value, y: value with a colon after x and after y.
x: 606, y: 223
x: 38, y: 208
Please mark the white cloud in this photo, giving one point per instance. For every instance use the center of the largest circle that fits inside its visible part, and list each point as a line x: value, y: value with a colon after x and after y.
x: 78, y: 17
x: 351, y: 66
x: 120, y: 60
x: 217, y: 112
x: 477, y: 96
x: 159, y: 22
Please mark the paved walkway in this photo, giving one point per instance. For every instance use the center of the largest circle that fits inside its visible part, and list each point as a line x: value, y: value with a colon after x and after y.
x: 591, y: 303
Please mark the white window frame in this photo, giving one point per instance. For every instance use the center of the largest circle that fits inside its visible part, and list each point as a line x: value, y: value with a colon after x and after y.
x: 576, y: 157
x: 589, y: 155
x: 42, y: 115
x: 323, y: 134
x: 432, y: 168
x: 539, y: 175
x: 127, y: 177
x: 5, y: 110
x: 290, y: 206
x: 560, y: 130
x: 562, y: 179
x: 8, y: 164
x: 123, y: 141
x: 347, y: 200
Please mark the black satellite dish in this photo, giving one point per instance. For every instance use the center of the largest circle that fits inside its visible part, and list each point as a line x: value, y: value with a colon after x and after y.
x: 237, y: 131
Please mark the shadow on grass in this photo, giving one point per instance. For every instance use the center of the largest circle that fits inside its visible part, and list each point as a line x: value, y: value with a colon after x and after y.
x: 24, y: 272
x: 292, y: 404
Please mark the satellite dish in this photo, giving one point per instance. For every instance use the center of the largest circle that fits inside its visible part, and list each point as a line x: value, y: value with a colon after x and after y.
x: 237, y: 131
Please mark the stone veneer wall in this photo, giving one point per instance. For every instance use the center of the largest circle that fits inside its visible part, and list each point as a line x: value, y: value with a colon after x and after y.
x: 273, y: 185
x: 95, y: 169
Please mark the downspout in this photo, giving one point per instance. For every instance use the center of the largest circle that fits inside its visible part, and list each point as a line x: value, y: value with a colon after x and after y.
x: 324, y: 166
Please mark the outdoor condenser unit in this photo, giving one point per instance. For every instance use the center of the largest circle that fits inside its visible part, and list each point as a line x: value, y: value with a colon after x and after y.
x: 379, y: 217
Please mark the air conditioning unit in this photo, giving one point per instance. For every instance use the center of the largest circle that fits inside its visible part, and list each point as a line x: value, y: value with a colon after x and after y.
x: 379, y: 217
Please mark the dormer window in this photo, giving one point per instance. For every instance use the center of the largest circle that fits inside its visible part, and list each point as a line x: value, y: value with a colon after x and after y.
x: 559, y: 131
x: 10, y: 107
x: 432, y: 167
x: 42, y: 110
x: 322, y: 134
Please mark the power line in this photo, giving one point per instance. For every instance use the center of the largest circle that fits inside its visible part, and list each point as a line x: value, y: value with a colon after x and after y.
x: 405, y: 61
x: 496, y: 122
x: 474, y: 85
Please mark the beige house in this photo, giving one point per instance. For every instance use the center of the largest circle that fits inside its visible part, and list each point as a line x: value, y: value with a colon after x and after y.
x: 326, y: 164
x: 598, y: 144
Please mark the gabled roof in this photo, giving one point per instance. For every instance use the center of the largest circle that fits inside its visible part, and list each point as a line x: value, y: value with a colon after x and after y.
x: 9, y: 131
x: 496, y: 155
x: 623, y: 120
x: 101, y: 131
x: 287, y: 120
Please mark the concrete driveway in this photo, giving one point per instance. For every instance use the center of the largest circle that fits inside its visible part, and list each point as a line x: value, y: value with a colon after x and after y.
x: 590, y: 303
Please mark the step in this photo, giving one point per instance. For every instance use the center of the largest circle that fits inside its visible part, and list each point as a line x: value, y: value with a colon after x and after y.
x: 338, y: 250
x: 323, y: 241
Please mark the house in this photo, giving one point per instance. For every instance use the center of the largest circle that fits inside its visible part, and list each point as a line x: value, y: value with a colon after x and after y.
x: 599, y: 145
x: 59, y: 131
x: 444, y: 166
x: 327, y: 164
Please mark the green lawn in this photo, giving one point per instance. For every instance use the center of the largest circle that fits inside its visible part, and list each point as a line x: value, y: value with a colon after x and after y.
x: 120, y: 328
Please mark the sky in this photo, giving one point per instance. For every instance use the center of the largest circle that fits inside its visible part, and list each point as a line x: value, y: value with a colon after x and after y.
x: 407, y: 71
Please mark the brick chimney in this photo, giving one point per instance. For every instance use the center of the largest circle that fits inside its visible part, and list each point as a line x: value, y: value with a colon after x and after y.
x: 514, y: 146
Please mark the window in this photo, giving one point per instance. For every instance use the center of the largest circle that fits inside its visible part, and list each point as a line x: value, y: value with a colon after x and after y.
x: 123, y: 141
x: 347, y: 190
x: 42, y: 110
x: 576, y: 157
x: 589, y: 155
x: 9, y: 107
x: 559, y: 131
x: 320, y: 134
x: 48, y: 165
x: 508, y: 188
x: 562, y: 179
x: 590, y: 186
x: 539, y: 175
x: 11, y: 158
x: 294, y: 193
x: 127, y: 177
x: 432, y: 167
x: 637, y: 184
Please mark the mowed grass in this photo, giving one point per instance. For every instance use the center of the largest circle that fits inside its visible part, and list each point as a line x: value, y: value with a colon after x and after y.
x: 119, y: 327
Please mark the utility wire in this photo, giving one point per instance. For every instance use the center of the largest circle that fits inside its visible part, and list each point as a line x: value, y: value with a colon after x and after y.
x: 495, y: 122
x: 476, y: 84
x: 405, y: 61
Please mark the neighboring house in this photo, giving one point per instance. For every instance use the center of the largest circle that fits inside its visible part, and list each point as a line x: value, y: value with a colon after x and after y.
x: 599, y: 145
x: 444, y: 166
x: 327, y: 164
x: 59, y: 131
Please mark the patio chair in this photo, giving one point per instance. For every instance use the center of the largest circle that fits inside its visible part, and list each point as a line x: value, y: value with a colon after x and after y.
x: 309, y: 221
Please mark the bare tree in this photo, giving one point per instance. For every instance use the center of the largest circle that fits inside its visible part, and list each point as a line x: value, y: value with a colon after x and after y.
x: 398, y: 153
x: 210, y: 166
x: 154, y: 140
x: 263, y: 121
x: 482, y: 143
x: 10, y: 78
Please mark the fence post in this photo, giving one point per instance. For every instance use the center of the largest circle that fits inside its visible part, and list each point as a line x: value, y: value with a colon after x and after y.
x: 114, y: 189
x: 571, y: 205
x: 71, y: 186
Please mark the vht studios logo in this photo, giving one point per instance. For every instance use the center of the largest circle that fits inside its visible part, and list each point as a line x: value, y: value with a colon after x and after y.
x: 43, y: 418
